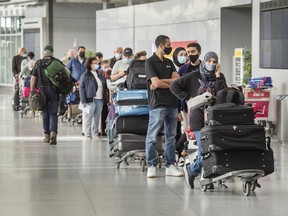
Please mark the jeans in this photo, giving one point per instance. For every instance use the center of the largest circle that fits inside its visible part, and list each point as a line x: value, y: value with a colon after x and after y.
x: 50, y: 118
x: 158, y: 117
x: 91, y: 120
x: 196, y: 167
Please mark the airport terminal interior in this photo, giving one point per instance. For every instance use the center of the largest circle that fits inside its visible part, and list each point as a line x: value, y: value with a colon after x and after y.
x: 79, y: 176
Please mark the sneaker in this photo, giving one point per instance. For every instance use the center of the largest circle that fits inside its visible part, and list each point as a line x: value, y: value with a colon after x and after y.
x: 173, y: 171
x: 189, y: 178
x: 53, y: 138
x: 88, y: 137
x: 46, y: 138
x: 151, y: 172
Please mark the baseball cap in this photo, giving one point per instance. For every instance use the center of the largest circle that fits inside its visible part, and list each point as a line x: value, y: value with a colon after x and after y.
x: 128, y: 52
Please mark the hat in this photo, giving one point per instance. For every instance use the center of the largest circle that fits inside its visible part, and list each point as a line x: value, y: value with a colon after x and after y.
x: 48, y: 47
x: 128, y: 52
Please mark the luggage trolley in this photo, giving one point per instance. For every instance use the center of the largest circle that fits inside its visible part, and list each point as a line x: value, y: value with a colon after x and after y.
x: 259, y: 99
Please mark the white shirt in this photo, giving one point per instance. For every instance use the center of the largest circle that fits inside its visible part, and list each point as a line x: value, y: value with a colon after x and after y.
x: 99, y: 93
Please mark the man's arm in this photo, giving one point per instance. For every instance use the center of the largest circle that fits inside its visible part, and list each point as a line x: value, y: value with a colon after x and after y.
x: 33, y: 83
x: 178, y: 88
x: 14, y: 66
x: 163, y: 83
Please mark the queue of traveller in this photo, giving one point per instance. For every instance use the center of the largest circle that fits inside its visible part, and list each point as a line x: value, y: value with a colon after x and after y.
x: 169, y: 84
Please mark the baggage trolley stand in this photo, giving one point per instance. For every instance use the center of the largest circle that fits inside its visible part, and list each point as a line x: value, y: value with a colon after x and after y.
x: 260, y: 103
x: 248, y: 177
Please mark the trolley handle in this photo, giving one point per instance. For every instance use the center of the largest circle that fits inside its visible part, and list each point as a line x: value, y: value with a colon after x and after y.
x: 268, y: 142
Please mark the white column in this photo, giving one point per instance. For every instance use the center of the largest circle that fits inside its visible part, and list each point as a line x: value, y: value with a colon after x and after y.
x: 255, y: 35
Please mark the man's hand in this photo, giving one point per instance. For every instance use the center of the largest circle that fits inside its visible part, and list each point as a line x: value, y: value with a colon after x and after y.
x: 175, y: 75
x: 122, y: 72
x: 84, y: 105
x: 180, y: 117
x: 152, y: 87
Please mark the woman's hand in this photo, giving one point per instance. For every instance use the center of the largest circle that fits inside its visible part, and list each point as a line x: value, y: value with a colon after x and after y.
x: 218, y: 70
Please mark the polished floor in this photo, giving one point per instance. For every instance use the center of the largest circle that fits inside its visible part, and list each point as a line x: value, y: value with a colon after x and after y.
x: 77, y: 178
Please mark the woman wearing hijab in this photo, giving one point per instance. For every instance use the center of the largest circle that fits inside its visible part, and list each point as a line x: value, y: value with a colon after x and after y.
x: 208, y: 79
x: 179, y: 57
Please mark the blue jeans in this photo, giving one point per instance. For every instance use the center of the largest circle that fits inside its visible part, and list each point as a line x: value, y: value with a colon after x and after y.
x: 158, y: 117
x: 196, y: 167
x: 91, y: 120
x: 50, y: 118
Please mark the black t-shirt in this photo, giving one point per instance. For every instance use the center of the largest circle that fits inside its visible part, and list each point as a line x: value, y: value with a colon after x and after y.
x: 186, y: 87
x: 154, y: 67
x: 38, y: 72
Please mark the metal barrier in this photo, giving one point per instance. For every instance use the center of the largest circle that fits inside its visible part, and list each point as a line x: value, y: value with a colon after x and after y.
x: 282, y: 118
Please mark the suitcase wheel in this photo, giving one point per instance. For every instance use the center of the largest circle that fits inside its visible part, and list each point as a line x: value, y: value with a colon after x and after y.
x: 203, y: 188
x: 246, y: 187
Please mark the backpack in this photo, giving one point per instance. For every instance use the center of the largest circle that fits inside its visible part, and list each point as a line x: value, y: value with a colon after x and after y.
x: 59, y: 75
x: 136, y: 78
x: 230, y: 95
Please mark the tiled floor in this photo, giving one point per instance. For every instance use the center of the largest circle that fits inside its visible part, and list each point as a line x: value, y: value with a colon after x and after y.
x: 77, y: 178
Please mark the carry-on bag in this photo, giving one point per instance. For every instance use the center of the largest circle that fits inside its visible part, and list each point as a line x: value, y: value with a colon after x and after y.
x: 229, y: 114
x: 233, y: 137
x: 131, y: 124
x: 221, y: 162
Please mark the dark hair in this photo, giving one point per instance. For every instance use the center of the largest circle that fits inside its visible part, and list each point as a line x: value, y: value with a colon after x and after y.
x: 175, y: 56
x: 140, y: 53
x: 196, y: 45
x: 89, y: 62
x: 99, y: 55
x: 81, y: 47
x: 161, y: 40
x: 31, y: 55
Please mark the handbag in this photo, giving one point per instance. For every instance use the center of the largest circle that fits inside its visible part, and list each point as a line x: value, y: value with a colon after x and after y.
x: 37, y: 101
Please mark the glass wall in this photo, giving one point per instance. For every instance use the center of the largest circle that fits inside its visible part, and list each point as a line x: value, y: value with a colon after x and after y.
x: 10, y: 40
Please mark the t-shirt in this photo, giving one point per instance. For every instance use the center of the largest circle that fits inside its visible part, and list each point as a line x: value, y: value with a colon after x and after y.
x: 99, y: 93
x: 39, y: 73
x: 155, y: 67
x: 119, y: 65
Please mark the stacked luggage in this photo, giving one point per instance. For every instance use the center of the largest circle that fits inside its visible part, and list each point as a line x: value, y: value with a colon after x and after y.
x: 129, y: 128
x: 232, y: 142
x: 73, y: 113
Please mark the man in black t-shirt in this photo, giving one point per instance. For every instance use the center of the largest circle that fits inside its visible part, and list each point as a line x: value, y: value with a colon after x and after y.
x: 39, y: 79
x: 163, y: 106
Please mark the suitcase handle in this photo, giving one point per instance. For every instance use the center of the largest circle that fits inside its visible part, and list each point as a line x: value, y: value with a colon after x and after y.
x: 204, y: 137
x: 268, y: 142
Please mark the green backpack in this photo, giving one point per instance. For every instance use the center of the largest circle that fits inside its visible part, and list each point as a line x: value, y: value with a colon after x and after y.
x: 59, y: 75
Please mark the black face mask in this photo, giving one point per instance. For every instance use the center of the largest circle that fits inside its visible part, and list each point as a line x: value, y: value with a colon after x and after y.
x: 193, y: 58
x: 167, y: 50
x: 82, y: 54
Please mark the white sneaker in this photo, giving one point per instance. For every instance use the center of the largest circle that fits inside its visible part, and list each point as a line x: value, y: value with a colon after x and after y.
x: 173, y: 171
x: 151, y: 172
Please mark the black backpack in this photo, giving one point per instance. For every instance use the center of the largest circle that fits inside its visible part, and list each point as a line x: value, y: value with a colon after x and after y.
x: 136, y: 78
x: 230, y: 95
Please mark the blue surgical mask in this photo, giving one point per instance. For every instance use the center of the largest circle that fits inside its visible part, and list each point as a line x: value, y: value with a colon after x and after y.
x: 96, y: 67
x: 105, y: 70
x: 24, y: 55
x: 210, y: 67
x: 118, y: 56
x: 181, y: 59
x: 127, y: 61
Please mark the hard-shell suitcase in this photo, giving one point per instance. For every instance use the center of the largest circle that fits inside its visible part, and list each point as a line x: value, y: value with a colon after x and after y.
x: 233, y: 137
x: 221, y: 162
x: 131, y: 124
x: 229, y: 113
x: 132, y: 102
x: 129, y: 142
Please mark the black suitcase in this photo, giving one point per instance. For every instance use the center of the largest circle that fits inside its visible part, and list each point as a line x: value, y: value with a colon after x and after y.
x: 129, y: 142
x: 131, y: 124
x: 233, y: 137
x: 221, y: 162
x: 229, y: 113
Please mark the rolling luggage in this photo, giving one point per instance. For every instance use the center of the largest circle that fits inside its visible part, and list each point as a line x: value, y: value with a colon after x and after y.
x: 132, y: 102
x: 129, y: 142
x: 131, y: 124
x: 221, y: 162
x: 229, y: 114
x: 233, y: 137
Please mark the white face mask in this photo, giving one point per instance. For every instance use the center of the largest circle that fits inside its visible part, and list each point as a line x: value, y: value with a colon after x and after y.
x: 182, y: 59
x: 118, y: 56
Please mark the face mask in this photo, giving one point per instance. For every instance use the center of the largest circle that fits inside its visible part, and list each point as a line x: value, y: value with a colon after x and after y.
x: 193, y: 58
x: 96, y: 67
x: 210, y: 67
x: 167, y: 50
x: 24, y: 55
x: 118, y: 56
x: 82, y: 54
x: 127, y: 61
x: 181, y: 59
x: 105, y: 70
x: 30, y: 69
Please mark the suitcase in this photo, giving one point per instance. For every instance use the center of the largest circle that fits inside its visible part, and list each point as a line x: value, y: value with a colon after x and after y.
x: 129, y: 142
x: 132, y: 102
x: 221, y: 162
x: 130, y: 124
x: 233, y: 137
x: 229, y: 114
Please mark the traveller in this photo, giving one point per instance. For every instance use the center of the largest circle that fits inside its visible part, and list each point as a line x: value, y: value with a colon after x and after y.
x: 77, y: 65
x: 117, y: 56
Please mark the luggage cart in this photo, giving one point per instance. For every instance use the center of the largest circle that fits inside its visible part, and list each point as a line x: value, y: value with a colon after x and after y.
x: 259, y: 100
x: 248, y: 177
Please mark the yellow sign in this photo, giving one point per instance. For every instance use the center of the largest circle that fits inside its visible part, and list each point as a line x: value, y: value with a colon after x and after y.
x: 238, y: 52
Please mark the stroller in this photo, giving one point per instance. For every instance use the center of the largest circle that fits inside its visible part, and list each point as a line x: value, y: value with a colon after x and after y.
x: 24, y: 107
